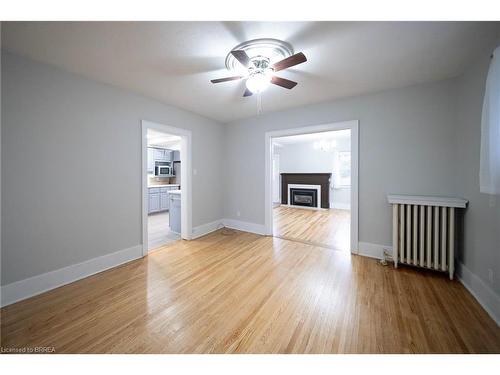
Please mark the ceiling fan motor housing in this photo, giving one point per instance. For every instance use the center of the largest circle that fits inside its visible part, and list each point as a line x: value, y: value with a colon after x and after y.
x: 259, y: 65
x: 272, y: 49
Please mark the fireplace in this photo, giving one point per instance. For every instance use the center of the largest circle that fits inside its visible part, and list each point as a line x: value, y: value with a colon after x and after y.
x: 320, y: 182
x: 303, y: 197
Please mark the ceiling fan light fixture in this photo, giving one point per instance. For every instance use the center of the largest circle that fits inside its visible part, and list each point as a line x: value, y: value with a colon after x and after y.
x: 257, y: 65
x: 259, y: 81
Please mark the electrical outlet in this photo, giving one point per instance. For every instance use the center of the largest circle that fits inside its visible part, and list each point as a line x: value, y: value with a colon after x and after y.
x: 238, y: 213
x: 491, y: 275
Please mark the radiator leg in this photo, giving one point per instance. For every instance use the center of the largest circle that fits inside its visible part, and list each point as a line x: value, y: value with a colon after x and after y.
x: 428, y: 244
x: 408, y: 234
x: 435, y: 249
x: 415, y: 235
x: 451, y: 242
x: 402, y: 233
x: 395, y: 221
x: 443, y: 238
x: 421, y: 241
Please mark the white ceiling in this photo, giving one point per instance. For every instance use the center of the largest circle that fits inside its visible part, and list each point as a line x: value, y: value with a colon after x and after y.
x: 174, y: 61
x: 160, y: 139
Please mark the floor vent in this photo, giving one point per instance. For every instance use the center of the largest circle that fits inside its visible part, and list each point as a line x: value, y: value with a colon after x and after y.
x: 423, y: 231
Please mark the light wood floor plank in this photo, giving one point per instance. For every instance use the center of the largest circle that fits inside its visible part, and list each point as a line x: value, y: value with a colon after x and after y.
x: 244, y: 293
x: 329, y: 228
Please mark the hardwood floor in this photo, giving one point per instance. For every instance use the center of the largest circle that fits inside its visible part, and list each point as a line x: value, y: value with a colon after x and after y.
x: 244, y: 293
x: 329, y: 228
x: 159, y: 233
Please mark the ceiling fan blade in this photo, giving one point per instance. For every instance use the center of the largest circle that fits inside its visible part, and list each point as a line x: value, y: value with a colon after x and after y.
x: 293, y: 60
x: 247, y: 93
x: 241, y: 56
x: 283, y: 82
x: 218, y: 80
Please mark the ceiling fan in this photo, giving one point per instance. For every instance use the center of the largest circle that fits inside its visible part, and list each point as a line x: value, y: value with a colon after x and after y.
x: 260, y: 71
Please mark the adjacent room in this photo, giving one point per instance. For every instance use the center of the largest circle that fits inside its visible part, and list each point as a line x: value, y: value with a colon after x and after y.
x: 164, y: 188
x: 250, y: 187
x: 312, y: 188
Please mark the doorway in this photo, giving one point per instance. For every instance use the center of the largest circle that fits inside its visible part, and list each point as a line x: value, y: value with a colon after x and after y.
x: 166, y: 185
x: 311, y: 185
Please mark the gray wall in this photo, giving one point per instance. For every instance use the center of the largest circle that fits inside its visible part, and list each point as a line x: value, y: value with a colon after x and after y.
x: 406, y: 146
x: 71, y: 184
x: 481, y: 249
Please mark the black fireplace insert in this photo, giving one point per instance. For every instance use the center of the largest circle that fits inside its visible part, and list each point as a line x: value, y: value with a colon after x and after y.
x: 303, y: 197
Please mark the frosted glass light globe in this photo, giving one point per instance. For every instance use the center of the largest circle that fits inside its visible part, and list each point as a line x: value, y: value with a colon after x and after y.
x: 258, y: 82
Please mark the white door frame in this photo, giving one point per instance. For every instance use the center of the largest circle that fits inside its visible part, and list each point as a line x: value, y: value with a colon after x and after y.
x: 277, y: 156
x: 354, y: 127
x: 186, y: 196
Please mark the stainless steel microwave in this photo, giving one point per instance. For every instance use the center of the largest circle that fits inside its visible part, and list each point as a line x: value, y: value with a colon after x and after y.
x: 163, y: 171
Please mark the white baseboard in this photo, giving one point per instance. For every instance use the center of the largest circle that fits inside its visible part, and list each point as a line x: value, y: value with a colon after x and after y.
x: 245, y: 226
x: 32, y: 286
x: 340, y: 206
x: 373, y: 250
x: 204, y: 229
x: 304, y: 207
x: 482, y: 292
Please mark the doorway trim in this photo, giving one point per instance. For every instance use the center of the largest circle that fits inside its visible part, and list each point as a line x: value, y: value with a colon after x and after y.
x: 186, y: 163
x: 352, y: 125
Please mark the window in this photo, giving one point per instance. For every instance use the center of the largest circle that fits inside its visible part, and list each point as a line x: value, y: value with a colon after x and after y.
x: 342, y: 169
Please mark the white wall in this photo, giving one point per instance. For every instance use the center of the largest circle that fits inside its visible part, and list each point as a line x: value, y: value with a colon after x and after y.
x: 303, y: 158
x: 71, y: 184
x: 406, y: 146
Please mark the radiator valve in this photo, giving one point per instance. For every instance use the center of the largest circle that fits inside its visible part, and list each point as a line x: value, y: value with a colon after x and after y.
x: 386, y: 256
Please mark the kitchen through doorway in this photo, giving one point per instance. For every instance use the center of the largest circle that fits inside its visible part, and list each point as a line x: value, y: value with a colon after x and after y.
x: 165, y: 208
x: 164, y: 187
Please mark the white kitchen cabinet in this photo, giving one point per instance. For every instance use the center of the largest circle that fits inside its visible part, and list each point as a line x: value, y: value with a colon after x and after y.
x: 168, y: 155
x: 164, y: 202
x: 162, y: 155
x: 154, y: 202
x: 151, y: 160
x: 158, y: 198
x: 158, y: 154
x: 176, y: 155
x: 175, y: 211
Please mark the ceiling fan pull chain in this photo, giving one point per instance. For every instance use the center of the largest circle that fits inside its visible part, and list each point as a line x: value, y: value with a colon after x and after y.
x: 259, y: 103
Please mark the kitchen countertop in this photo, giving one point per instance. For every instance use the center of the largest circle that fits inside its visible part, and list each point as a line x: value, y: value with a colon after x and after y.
x: 163, y: 185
